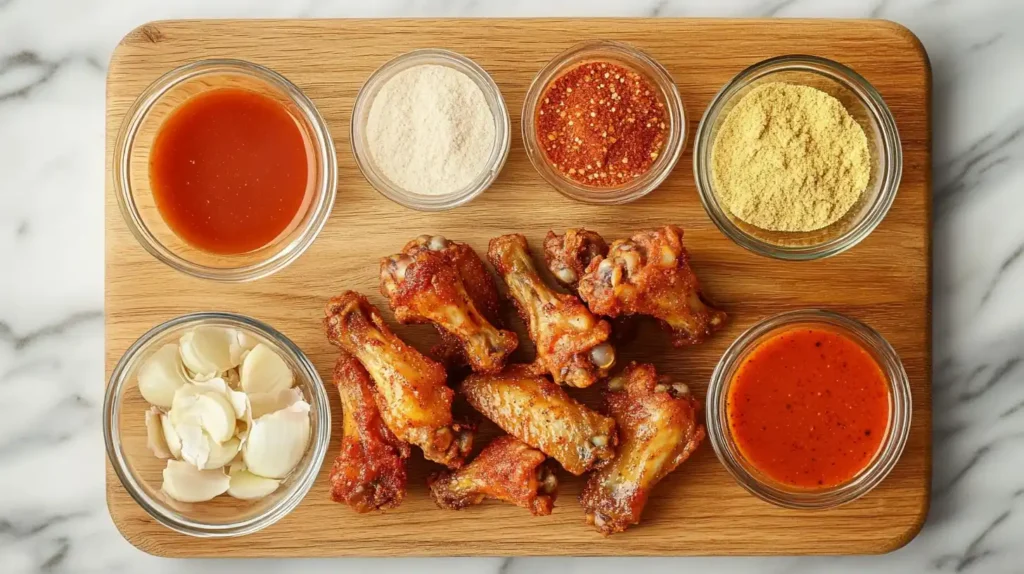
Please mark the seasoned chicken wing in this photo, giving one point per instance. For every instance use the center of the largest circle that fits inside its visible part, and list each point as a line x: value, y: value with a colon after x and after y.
x: 541, y: 414
x: 424, y: 283
x: 369, y: 473
x: 650, y: 274
x: 569, y: 255
x: 572, y: 344
x: 411, y: 394
x: 507, y: 469
x: 658, y: 430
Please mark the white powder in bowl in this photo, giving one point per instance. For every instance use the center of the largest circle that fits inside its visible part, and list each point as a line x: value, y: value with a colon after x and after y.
x: 430, y: 130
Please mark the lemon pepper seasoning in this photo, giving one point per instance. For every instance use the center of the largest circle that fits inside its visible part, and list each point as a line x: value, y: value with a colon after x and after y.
x: 601, y: 124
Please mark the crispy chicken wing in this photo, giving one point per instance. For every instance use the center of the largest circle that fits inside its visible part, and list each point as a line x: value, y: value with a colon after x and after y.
x: 411, y: 394
x: 369, y: 473
x: 424, y: 283
x: 541, y: 414
x: 658, y: 430
x: 650, y: 274
x: 569, y: 255
x: 507, y: 469
x: 572, y: 344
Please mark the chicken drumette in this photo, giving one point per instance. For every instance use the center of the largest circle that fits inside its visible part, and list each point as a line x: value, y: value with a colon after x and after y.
x: 541, y: 414
x: 508, y: 470
x: 444, y: 282
x: 658, y: 430
x: 569, y: 255
x: 650, y: 274
x: 412, y: 396
x: 572, y: 344
x: 369, y: 473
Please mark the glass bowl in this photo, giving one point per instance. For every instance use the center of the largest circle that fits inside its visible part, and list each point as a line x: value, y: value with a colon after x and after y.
x: 866, y: 107
x: 631, y: 58
x: 361, y: 113
x: 131, y: 170
x: 889, y: 451
x: 124, y: 432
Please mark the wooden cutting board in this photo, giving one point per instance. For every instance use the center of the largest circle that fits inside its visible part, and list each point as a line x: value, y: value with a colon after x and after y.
x: 885, y: 281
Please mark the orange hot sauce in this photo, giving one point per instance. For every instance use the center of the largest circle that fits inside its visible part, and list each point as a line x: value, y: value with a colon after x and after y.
x: 229, y: 170
x: 809, y: 408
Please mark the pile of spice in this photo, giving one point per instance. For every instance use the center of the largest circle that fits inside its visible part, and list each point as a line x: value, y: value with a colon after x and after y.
x: 790, y: 158
x: 430, y: 130
x: 601, y: 124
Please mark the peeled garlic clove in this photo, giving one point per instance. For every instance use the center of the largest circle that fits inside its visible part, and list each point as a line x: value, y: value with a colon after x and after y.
x: 186, y: 483
x: 222, y: 454
x: 155, y: 434
x: 195, y: 445
x: 242, y: 344
x: 210, y: 410
x: 248, y: 486
x: 160, y: 375
x: 170, y: 435
x: 265, y: 403
x: 277, y: 441
x: 264, y: 371
x: 235, y: 398
x: 206, y: 351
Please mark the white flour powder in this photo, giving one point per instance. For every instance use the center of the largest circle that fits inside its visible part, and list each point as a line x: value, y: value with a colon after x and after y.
x: 430, y: 130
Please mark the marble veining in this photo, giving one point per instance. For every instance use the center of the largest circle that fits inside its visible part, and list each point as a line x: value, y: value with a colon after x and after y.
x: 53, y: 56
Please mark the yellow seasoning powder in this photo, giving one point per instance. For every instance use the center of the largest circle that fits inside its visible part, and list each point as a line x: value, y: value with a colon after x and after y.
x: 789, y: 158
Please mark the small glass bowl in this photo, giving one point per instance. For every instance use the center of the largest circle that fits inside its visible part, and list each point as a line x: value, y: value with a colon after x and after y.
x: 140, y: 472
x: 361, y: 114
x: 897, y: 430
x: 634, y: 59
x: 866, y: 107
x: 131, y: 170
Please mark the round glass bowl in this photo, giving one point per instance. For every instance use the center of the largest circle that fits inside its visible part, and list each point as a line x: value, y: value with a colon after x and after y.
x: 749, y: 477
x: 361, y: 114
x: 124, y: 432
x: 628, y: 57
x: 866, y: 107
x: 135, y: 196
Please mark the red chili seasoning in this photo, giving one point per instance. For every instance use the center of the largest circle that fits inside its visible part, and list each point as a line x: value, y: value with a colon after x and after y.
x: 809, y: 408
x: 601, y: 124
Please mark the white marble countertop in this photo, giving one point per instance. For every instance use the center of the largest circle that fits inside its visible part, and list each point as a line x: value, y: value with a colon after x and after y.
x: 53, y: 56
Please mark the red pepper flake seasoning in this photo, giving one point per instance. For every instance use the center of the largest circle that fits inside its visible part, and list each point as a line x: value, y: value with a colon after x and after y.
x: 601, y: 124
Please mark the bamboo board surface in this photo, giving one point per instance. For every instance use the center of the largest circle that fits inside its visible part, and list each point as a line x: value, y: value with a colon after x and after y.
x: 698, y: 510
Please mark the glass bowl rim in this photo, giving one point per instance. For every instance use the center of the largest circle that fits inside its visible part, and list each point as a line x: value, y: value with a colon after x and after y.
x: 324, y: 154
x: 881, y: 116
x: 889, y: 451
x: 674, y: 144
x: 502, y: 132
x: 119, y: 460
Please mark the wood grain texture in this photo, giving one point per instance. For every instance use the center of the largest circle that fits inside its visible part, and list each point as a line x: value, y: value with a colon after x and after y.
x: 885, y: 281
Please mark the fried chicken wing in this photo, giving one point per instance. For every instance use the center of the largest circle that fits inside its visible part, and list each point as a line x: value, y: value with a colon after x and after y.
x: 508, y: 470
x: 572, y: 344
x: 412, y: 396
x: 369, y: 473
x: 541, y: 414
x: 569, y: 255
x: 424, y: 284
x: 650, y: 274
x: 658, y: 430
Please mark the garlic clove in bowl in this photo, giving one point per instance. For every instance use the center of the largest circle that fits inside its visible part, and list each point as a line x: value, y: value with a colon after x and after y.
x: 248, y: 486
x: 265, y: 403
x: 186, y: 483
x: 277, y: 441
x: 206, y: 351
x: 209, y: 410
x: 170, y: 436
x: 264, y: 371
x: 161, y: 375
x: 155, y: 439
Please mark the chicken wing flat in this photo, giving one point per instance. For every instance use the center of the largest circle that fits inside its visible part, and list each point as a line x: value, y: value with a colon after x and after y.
x: 507, y: 469
x: 369, y: 473
x: 572, y: 344
x: 650, y: 274
x: 658, y: 430
x: 569, y: 255
x: 541, y: 414
x: 424, y: 284
x: 412, y: 396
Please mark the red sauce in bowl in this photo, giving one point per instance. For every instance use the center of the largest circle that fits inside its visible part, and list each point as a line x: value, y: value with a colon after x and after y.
x: 230, y: 170
x: 809, y: 408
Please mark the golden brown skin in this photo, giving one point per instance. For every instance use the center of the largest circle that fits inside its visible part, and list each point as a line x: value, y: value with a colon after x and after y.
x: 424, y: 284
x: 369, y: 473
x: 507, y: 469
x: 569, y: 255
x: 541, y: 414
x: 658, y: 430
x: 412, y: 396
x: 650, y: 274
x: 572, y: 344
